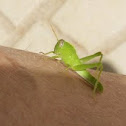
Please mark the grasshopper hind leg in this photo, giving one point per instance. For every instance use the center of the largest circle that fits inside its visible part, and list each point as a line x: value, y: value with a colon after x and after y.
x: 99, y: 68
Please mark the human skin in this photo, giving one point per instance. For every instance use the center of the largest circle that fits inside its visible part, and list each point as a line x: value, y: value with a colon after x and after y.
x: 37, y: 91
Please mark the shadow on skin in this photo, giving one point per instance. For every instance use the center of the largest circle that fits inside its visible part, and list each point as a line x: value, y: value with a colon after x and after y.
x: 108, y: 67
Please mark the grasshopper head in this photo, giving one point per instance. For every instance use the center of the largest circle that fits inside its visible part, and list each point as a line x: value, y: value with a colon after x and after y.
x: 59, y: 46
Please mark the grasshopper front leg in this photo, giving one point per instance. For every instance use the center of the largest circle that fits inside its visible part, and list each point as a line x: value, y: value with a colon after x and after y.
x: 47, y: 52
x: 53, y: 57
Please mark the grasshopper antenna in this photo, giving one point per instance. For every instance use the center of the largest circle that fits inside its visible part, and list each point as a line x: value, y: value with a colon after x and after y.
x: 54, y: 32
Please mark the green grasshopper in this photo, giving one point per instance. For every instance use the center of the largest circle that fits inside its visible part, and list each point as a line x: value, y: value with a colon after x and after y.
x: 67, y: 53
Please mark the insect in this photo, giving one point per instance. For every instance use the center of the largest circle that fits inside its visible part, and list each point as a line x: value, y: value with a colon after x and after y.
x: 67, y: 53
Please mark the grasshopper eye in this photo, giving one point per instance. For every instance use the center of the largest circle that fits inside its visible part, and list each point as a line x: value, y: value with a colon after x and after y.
x: 61, y: 43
